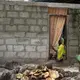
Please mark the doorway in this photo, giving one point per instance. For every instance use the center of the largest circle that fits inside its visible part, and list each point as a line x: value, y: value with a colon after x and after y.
x: 57, y: 30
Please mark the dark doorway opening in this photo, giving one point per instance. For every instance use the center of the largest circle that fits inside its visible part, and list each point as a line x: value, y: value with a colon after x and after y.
x: 64, y: 35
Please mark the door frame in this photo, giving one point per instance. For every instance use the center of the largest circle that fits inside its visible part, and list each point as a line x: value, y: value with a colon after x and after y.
x: 50, y: 29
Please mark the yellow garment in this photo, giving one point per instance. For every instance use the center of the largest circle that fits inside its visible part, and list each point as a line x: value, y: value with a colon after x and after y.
x: 61, y: 52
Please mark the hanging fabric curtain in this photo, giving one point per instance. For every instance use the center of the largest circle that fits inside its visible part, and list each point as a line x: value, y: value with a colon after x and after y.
x: 57, y: 21
x: 58, y: 29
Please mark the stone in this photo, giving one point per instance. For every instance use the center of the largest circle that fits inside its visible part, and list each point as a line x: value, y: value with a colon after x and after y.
x: 10, y: 47
x: 42, y: 9
x: 41, y: 48
x: 73, y: 42
x: 31, y: 35
x: 24, y: 14
x: 12, y: 14
x: 23, y: 28
x: 18, y: 48
x: 5, y: 35
x: 18, y: 7
x: 1, y: 54
x: 45, y: 41
x: 1, y: 41
x: 1, y: 27
x: 35, y: 28
x: 44, y: 55
x: 30, y: 8
x: 43, y: 35
x: 7, y: 7
x: 1, y: 7
x: 21, y: 54
x: 26, y: 55
x: 45, y: 22
x: 11, y: 28
x: 45, y: 15
x: 5, y: 20
x: 35, y: 42
x: 19, y: 34
x: 72, y: 36
x: 44, y: 29
x: 2, y: 14
x: 25, y: 41
x: 18, y: 21
x: 2, y: 47
x: 11, y: 41
x: 31, y: 21
x: 34, y: 55
x: 40, y: 21
x: 10, y: 54
x: 30, y: 48
x: 36, y: 15
x: 72, y: 51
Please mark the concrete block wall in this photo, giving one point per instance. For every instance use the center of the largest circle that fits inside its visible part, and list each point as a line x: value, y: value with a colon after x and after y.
x: 24, y: 31
x: 73, y: 33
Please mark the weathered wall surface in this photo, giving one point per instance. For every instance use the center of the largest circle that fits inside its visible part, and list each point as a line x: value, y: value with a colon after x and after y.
x: 24, y: 31
x: 73, y: 25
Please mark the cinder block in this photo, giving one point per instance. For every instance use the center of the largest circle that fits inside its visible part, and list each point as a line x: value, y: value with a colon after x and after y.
x: 18, y: 48
x: 10, y: 47
x: 42, y: 9
x: 23, y: 28
x: 31, y: 35
x: 19, y: 34
x: 31, y: 21
x: 5, y: 35
x: 19, y: 7
x: 44, y: 29
x: 7, y: 7
x: 11, y: 41
x: 21, y: 54
x: 5, y: 20
x: 30, y: 8
x: 25, y: 41
x: 41, y: 48
x: 26, y: 55
x: 18, y: 21
x: 45, y: 41
x: 24, y: 14
x: 73, y: 42
x: 72, y: 51
x: 1, y: 54
x: 10, y: 54
x: 12, y: 14
x: 11, y: 28
x: 35, y: 29
x: 45, y: 22
x: 2, y: 14
x: 2, y: 47
x: 44, y: 55
x: 40, y: 21
x: 1, y: 7
x: 36, y: 15
x: 34, y: 55
x: 43, y: 35
x: 1, y: 27
x: 72, y: 36
x: 30, y: 48
x: 35, y: 42
x: 1, y: 41
x: 45, y: 15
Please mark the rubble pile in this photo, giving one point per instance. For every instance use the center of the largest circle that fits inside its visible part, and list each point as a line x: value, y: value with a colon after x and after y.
x: 37, y: 72
x: 43, y: 73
